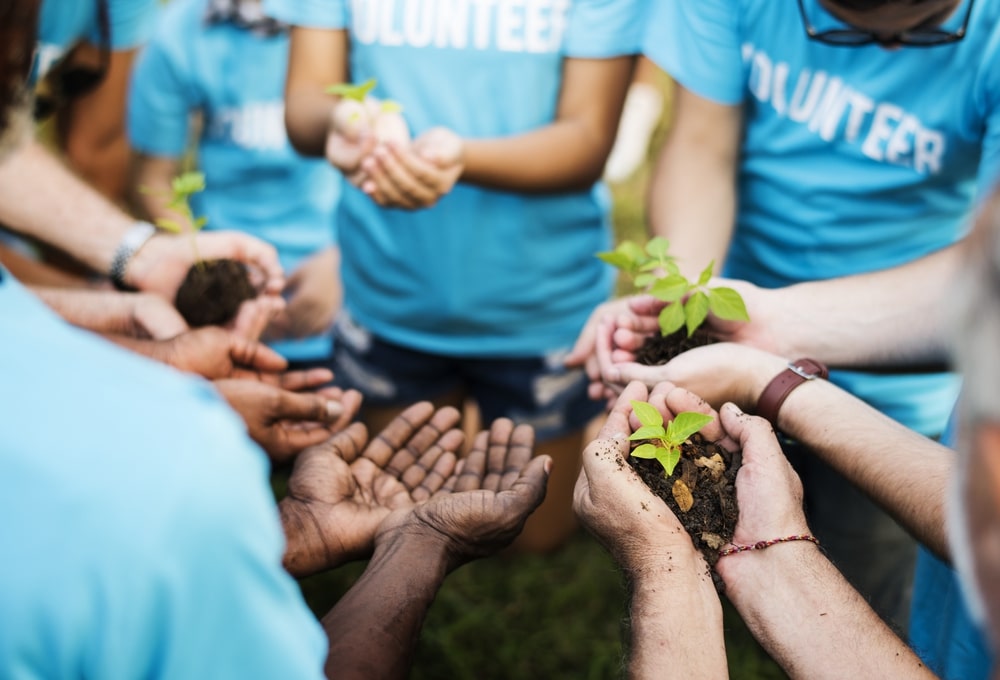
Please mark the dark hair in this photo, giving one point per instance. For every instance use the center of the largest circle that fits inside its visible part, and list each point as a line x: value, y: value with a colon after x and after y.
x: 18, y: 34
x: 865, y: 5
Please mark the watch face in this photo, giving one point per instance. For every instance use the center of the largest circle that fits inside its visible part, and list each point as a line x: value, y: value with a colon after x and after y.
x: 809, y: 368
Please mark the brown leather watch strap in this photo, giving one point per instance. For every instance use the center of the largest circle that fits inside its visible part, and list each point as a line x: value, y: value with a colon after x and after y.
x: 777, y: 390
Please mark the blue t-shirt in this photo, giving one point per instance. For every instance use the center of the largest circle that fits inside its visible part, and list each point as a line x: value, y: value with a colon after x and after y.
x: 142, y: 539
x: 942, y: 631
x: 484, y: 272
x: 64, y: 23
x: 255, y: 181
x: 853, y: 160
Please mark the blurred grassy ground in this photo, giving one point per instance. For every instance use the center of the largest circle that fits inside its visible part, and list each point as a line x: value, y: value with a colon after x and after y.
x: 559, y: 617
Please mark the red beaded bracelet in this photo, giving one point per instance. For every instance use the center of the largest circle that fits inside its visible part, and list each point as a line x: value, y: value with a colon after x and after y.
x: 760, y: 545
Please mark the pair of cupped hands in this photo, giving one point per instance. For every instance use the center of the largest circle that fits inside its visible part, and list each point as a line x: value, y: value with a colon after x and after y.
x: 375, y: 153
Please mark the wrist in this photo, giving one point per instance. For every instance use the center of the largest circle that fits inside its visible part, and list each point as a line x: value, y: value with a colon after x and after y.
x: 756, y: 572
x: 792, y: 377
x: 426, y: 546
x: 132, y: 242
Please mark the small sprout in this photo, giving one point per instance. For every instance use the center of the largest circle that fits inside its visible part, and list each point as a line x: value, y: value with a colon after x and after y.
x: 181, y: 189
x: 359, y: 111
x: 351, y: 91
x: 655, y: 271
x: 664, y: 444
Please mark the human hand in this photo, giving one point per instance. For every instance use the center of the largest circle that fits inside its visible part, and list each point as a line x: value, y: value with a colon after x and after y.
x: 162, y: 263
x: 417, y: 176
x: 341, y: 491
x: 284, y: 422
x: 215, y: 353
x: 149, y: 316
x: 350, y: 138
x: 314, y: 296
x: 768, y: 490
x: 483, y: 507
x: 584, y: 351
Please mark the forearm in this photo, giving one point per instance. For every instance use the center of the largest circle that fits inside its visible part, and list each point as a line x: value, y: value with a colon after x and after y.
x: 317, y: 60
x: 810, y: 620
x: 99, y: 311
x: 902, y: 471
x: 373, y: 629
x: 151, y: 190
x: 676, y: 623
x: 63, y: 210
x: 34, y: 272
x: 692, y: 200
x: 894, y: 316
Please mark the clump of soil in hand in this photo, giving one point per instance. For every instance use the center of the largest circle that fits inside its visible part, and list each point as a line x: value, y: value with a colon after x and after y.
x: 659, y: 349
x: 213, y: 291
x: 701, y: 492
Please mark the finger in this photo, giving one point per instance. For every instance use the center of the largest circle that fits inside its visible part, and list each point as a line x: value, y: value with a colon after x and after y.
x: 519, y: 453
x: 496, y: 455
x: 295, y: 381
x: 529, y: 489
x: 255, y: 315
x: 617, y: 422
x: 246, y: 249
x: 585, y: 341
x: 382, y: 188
x: 297, y: 406
x: 159, y: 318
x: 437, y: 478
x: 398, y: 432
x: 431, y: 433
x: 346, y: 444
x: 603, y: 347
x: 289, y: 439
x: 253, y: 355
x: 680, y: 400
x: 474, y: 465
x: 755, y: 435
x: 418, y: 471
x: 417, y: 180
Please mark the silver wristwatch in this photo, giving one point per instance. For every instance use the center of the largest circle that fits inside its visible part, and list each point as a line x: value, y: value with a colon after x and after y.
x: 134, y: 239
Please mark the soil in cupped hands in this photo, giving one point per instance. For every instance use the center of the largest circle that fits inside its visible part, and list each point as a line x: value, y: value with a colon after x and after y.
x: 212, y: 292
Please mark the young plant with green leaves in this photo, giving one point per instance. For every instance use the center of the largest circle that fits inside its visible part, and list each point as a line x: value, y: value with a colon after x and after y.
x: 664, y: 443
x: 357, y: 110
x: 182, y: 188
x: 653, y: 270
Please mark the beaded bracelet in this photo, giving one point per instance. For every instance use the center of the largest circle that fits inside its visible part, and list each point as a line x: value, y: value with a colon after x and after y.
x: 760, y: 545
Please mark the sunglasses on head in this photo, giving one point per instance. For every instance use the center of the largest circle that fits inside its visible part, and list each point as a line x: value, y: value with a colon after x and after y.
x: 68, y: 81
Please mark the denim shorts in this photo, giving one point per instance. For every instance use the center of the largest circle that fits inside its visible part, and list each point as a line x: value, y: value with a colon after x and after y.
x: 538, y: 391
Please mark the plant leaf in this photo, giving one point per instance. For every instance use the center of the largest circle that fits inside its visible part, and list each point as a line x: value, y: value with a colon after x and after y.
x: 658, y: 248
x: 726, y: 303
x: 671, y: 318
x: 390, y: 106
x: 644, y: 451
x: 668, y: 459
x: 616, y: 259
x: 706, y: 273
x: 352, y: 91
x: 200, y: 223
x: 670, y: 288
x: 647, y: 414
x: 686, y: 424
x: 648, y: 432
x: 643, y: 280
x: 169, y: 225
x: 695, y: 311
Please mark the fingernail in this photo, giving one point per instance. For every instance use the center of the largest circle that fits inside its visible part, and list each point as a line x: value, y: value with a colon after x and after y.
x: 334, y: 409
x: 548, y: 466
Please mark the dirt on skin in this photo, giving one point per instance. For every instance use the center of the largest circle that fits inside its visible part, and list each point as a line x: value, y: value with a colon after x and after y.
x: 213, y: 291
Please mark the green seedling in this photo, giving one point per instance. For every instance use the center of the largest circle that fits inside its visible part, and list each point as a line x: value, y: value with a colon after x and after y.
x: 664, y: 444
x: 358, y: 110
x: 655, y: 271
x: 182, y: 188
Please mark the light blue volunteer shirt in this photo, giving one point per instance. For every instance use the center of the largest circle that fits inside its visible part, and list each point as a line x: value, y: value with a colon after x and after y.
x: 255, y: 181
x: 854, y: 159
x: 64, y: 23
x: 141, y: 535
x: 484, y: 272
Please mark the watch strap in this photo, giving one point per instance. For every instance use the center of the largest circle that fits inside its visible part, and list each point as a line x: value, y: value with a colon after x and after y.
x: 134, y: 239
x: 774, y: 395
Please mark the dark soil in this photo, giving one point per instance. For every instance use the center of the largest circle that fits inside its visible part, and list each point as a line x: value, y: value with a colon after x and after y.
x: 711, y: 518
x: 213, y: 291
x: 659, y: 349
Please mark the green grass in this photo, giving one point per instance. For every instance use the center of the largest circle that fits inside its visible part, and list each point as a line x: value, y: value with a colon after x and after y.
x: 557, y: 617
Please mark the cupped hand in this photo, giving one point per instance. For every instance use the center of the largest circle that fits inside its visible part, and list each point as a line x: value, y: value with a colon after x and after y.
x: 341, y: 491
x: 414, y: 176
x: 768, y: 490
x: 350, y: 138
x: 483, y: 507
x: 284, y: 422
x: 314, y: 296
x: 162, y: 263
x: 584, y: 352
x: 150, y: 316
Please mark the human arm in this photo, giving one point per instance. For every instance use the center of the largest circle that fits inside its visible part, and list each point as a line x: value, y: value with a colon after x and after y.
x: 692, y: 195
x: 373, y: 629
x: 68, y: 214
x: 136, y: 315
x: 92, y: 126
x: 676, y: 616
x: 794, y: 601
x: 902, y: 471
